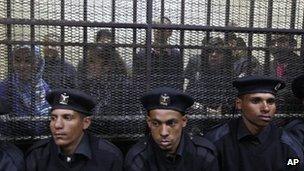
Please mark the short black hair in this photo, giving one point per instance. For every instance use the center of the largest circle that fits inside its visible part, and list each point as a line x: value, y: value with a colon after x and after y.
x: 103, y: 33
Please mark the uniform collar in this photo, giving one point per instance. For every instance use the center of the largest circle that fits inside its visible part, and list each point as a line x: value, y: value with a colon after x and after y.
x: 82, y: 149
x: 243, y: 132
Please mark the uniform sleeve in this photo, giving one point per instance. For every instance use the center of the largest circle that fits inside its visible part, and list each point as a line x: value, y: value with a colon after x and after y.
x: 31, y: 162
x: 117, y: 163
x: 11, y: 159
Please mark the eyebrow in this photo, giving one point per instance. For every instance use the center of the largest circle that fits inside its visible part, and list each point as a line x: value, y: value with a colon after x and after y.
x: 169, y: 120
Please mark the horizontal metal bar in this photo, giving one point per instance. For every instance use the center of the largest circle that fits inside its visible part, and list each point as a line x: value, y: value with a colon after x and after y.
x: 7, y: 21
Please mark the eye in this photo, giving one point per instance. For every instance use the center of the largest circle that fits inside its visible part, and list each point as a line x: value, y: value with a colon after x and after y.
x: 53, y: 118
x: 271, y: 101
x: 255, y: 100
x: 172, y: 123
x: 154, y: 123
x: 68, y: 117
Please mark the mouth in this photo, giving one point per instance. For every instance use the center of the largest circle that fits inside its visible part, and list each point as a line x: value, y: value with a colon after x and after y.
x: 59, y: 135
x: 265, y: 118
x: 165, y: 143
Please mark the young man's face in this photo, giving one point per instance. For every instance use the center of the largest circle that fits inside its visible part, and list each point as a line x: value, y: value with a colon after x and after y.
x: 24, y: 65
x: 67, y: 127
x: 257, y: 109
x: 216, y: 57
x: 166, y: 128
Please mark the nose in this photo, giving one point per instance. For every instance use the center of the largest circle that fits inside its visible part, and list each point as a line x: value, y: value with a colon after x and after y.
x: 164, y: 131
x: 58, y: 124
x: 265, y: 107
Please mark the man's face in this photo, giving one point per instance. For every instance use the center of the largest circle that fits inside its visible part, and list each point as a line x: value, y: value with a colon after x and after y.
x: 24, y: 65
x: 51, y: 51
x: 162, y: 36
x: 257, y: 109
x: 104, y: 40
x: 216, y: 57
x: 95, y: 66
x: 166, y: 128
x: 67, y: 127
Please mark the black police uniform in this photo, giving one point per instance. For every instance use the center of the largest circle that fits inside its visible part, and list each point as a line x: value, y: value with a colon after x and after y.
x: 238, y: 150
x: 193, y: 153
x: 11, y: 158
x: 271, y: 149
x: 91, y: 154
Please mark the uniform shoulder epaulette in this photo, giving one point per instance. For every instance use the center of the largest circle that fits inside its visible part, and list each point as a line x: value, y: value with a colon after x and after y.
x: 13, y: 152
x: 203, y: 142
x: 217, y: 132
x: 107, y: 146
x: 138, y: 148
x: 39, y: 144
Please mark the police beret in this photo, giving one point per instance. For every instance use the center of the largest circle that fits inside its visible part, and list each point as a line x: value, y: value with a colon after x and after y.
x: 4, y: 109
x: 258, y: 84
x: 167, y: 98
x: 298, y: 87
x: 71, y: 99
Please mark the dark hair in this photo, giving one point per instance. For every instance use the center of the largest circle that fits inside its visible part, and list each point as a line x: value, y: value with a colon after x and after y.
x: 110, y: 58
x: 103, y: 33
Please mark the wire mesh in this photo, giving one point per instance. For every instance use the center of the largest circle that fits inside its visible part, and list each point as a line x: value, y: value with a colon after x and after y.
x: 195, y: 46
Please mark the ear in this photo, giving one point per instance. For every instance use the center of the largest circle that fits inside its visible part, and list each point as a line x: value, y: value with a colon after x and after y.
x: 238, y: 103
x: 148, y: 120
x: 184, y: 120
x: 86, y: 122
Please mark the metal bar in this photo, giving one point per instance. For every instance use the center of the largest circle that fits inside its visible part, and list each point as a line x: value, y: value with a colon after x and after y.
x: 32, y: 32
x: 152, y: 26
x: 134, y: 29
x: 208, y: 19
x: 250, y: 36
x: 293, y: 14
x: 130, y: 45
x: 113, y: 20
x: 149, y: 42
x: 162, y: 11
x: 85, y: 29
x: 62, y: 30
x: 182, y: 32
x: 302, y: 43
x: 268, y: 38
x: 9, y: 35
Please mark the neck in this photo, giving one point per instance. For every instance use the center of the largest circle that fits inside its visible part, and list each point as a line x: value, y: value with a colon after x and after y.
x: 70, y: 149
x: 253, y: 129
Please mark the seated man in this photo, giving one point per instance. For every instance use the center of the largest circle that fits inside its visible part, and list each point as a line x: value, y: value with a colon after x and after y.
x: 252, y: 143
x: 72, y: 148
x: 11, y: 158
x: 168, y: 147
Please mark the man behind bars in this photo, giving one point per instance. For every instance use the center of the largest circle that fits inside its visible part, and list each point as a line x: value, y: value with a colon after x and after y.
x: 168, y: 147
x: 252, y: 143
x: 11, y: 158
x: 72, y: 147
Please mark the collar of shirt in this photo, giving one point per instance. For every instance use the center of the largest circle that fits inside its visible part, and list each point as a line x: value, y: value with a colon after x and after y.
x: 82, y: 149
x: 243, y: 132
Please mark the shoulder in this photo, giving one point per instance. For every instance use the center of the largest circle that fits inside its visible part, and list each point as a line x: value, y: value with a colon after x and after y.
x: 38, y: 147
x: 136, y: 150
x: 218, y: 132
x: 12, y: 151
x: 105, y: 147
x: 293, y: 143
x: 203, y: 143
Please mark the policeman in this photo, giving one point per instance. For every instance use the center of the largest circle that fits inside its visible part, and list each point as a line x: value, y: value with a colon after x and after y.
x: 11, y: 158
x: 296, y: 126
x: 168, y: 147
x: 252, y: 143
x: 72, y: 147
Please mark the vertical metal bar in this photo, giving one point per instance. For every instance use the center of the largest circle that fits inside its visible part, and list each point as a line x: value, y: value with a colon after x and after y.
x: 85, y: 29
x: 302, y: 43
x: 113, y: 19
x: 62, y: 33
x: 162, y: 11
x: 32, y: 28
x: 149, y: 42
x: 268, y: 38
x: 134, y: 30
x: 227, y: 17
x: 250, y: 36
x: 208, y: 19
x: 182, y: 32
x: 293, y: 14
x: 9, y: 34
